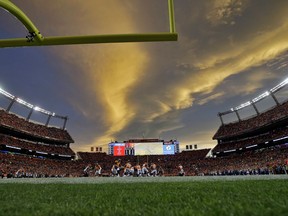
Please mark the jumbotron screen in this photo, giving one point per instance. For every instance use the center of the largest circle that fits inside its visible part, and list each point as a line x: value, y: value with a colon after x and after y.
x: 119, y: 149
x: 142, y: 147
x: 153, y: 148
x: 169, y: 149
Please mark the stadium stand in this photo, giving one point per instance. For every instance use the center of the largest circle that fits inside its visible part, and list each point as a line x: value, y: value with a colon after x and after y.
x: 254, y: 146
x: 276, y: 115
x: 272, y: 160
x: 12, y: 123
x: 18, y: 135
x: 266, y: 138
x: 11, y: 142
x: 263, y: 130
x: 16, y: 165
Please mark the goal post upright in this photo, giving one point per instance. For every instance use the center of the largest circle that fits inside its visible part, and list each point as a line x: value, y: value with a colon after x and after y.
x: 171, y: 16
x: 22, y: 17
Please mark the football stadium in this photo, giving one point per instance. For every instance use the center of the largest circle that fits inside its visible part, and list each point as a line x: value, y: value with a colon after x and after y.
x: 44, y: 176
x: 244, y: 173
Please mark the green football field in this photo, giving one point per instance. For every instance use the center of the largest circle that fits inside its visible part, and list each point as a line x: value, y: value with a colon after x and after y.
x: 239, y: 195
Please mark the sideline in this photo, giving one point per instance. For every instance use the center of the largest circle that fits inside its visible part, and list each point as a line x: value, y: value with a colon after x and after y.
x: 109, y: 180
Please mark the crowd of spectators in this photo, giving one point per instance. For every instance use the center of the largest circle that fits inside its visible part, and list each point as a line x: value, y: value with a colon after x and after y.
x: 40, y: 147
x: 265, y: 161
x: 272, y: 160
x: 20, y: 124
x: 249, y: 141
x: 263, y: 119
x: 14, y: 165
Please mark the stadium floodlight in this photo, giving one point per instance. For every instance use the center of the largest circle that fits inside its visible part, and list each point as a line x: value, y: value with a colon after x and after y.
x: 243, y: 105
x: 7, y: 94
x: 34, y: 38
x: 279, y: 86
x: 260, y: 97
x: 19, y: 100
x: 36, y: 108
x: 43, y: 111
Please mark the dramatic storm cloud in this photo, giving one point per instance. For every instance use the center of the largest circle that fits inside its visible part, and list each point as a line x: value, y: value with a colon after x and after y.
x: 228, y: 51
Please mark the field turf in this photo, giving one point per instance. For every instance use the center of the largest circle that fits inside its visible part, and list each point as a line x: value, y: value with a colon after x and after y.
x: 145, y: 196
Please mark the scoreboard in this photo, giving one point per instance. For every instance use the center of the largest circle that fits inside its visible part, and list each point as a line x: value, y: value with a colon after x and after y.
x: 143, y: 147
x: 119, y: 149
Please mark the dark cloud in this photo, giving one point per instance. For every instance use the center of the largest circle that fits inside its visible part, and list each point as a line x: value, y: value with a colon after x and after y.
x: 227, y: 52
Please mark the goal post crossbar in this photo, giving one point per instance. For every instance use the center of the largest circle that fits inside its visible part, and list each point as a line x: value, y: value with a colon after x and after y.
x: 34, y: 38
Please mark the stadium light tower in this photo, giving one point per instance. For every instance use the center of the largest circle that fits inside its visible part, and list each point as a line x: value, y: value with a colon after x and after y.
x: 34, y: 38
x: 253, y: 102
x: 32, y: 108
x: 274, y: 98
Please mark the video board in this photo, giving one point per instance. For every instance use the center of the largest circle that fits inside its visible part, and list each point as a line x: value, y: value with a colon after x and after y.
x: 148, y: 148
x: 119, y: 149
x: 143, y: 147
x: 169, y: 149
